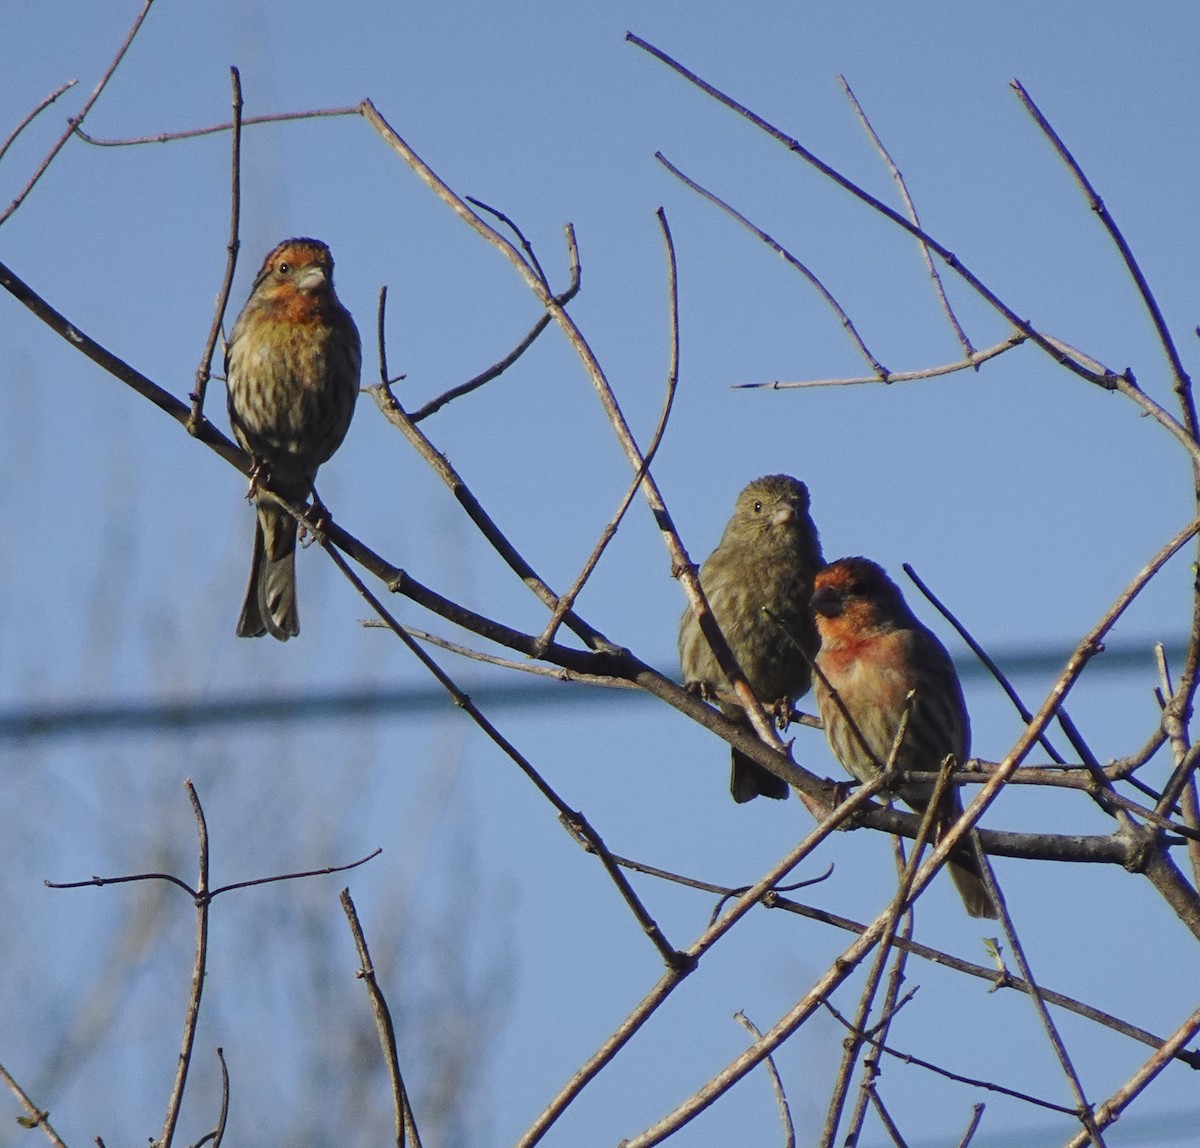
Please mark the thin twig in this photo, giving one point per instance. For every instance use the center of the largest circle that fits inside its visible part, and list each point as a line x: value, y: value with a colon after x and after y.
x: 218, y: 1133
x: 972, y: 1126
x: 881, y: 372
x: 785, y: 1112
x: 972, y: 361
x: 567, y: 601
x: 1183, y: 384
x: 1084, y: 1110
x: 192, y: 1015
x: 885, y: 1118
x: 983, y: 656
x: 947, y: 1073
x: 530, y: 254
x: 40, y: 107
x: 543, y: 322
x: 891, y: 1006
x: 1112, y: 1108
x: 76, y: 120
x: 406, y: 1125
x: 557, y: 673
x: 898, y: 177
x: 204, y: 370
x: 38, y: 1117
x: 214, y: 129
x: 395, y: 413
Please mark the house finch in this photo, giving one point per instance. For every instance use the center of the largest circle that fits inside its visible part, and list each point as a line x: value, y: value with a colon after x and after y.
x: 765, y: 561
x: 291, y: 369
x: 873, y: 652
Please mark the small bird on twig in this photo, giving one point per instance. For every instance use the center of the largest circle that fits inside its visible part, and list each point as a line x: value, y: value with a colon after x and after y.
x: 759, y: 581
x: 292, y: 374
x: 873, y: 653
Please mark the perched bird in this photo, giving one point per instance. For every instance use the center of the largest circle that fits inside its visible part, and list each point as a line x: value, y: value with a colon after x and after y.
x: 292, y: 371
x: 765, y: 561
x: 873, y: 652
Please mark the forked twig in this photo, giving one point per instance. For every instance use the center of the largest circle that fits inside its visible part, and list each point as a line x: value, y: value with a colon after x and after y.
x: 37, y: 110
x: 498, y: 368
x: 881, y: 372
x: 1108, y: 380
x: 76, y: 120
x: 972, y: 361
x: 567, y: 601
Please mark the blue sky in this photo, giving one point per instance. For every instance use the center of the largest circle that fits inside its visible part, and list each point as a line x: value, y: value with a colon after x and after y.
x: 1025, y: 496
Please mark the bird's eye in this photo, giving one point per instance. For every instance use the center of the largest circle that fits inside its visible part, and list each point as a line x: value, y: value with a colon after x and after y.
x: 284, y: 267
x: 758, y: 508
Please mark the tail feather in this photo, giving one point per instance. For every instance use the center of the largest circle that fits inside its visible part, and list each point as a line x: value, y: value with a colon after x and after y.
x: 270, y: 605
x: 974, y: 893
x: 748, y: 780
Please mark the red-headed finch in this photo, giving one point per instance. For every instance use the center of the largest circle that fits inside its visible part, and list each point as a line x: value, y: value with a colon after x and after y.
x: 292, y: 371
x: 873, y: 652
x: 765, y: 561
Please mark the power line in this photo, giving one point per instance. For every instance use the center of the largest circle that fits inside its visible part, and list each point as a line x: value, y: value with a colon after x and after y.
x: 177, y: 715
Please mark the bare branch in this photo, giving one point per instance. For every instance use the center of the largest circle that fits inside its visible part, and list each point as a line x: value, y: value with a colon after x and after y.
x: 882, y: 374
x: 76, y: 120
x: 972, y: 361
x: 567, y: 601
x: 204, y: 370
x: 785, y: 1113
x: 216, y: 129
x: 912, y: 214
x: 198, y: 970
x: 406, y: 1125
x: 1112, y: 1108
x: 40, y: 107
x: 37, y: 1118
x: 1183, y: 383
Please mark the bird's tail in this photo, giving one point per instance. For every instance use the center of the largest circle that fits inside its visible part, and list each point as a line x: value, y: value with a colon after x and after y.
x: 964, y: 872
x: 748, y: 780
x: 270, y: 606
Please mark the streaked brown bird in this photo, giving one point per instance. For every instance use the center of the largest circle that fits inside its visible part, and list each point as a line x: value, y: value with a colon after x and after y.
x: 873, y: 652
x: 292, y: 374
x: 765, y: 561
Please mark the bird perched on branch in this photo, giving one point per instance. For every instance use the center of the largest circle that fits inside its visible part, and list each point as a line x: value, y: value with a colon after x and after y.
x: 292, y: 373
x: 873, y: 653
x: 759, y: 582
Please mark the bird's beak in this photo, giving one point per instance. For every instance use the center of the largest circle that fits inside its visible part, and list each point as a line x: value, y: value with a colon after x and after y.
x: 785, y: 512
x: 827, y: 602
x: 312, y: 279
